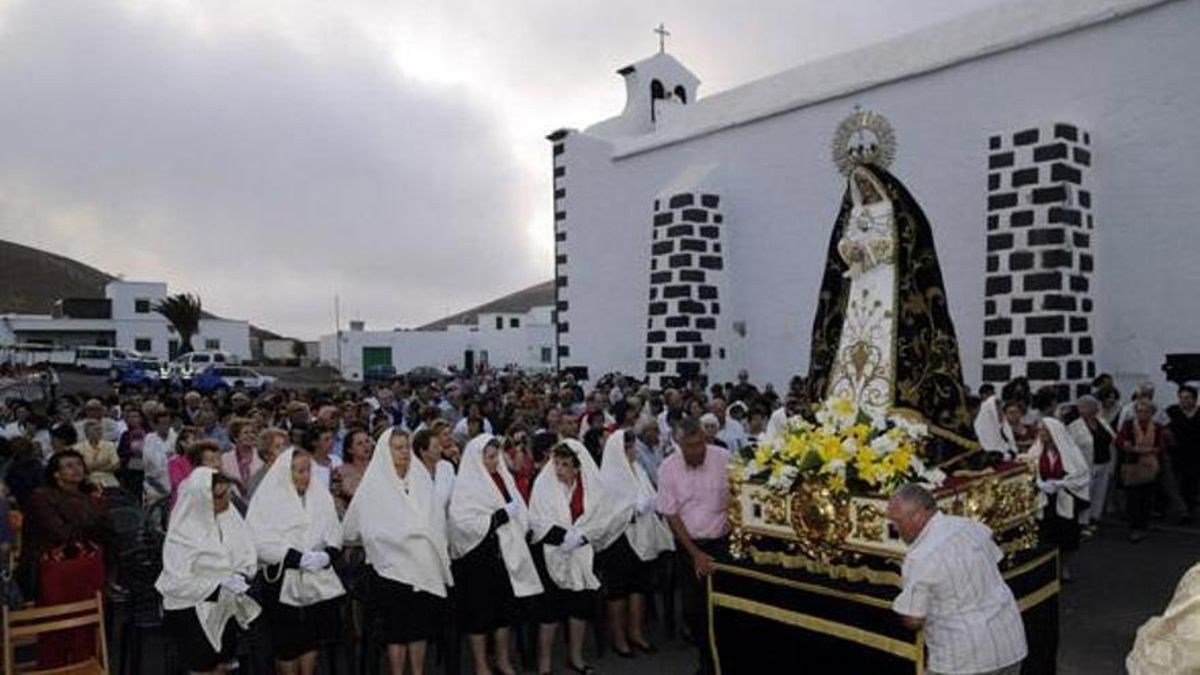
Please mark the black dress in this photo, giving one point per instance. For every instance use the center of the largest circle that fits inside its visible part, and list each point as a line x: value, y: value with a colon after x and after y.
x: 486, y: 600
x: 623, y: 572
x: 295, y: 631
x: 401, y: 614
x: 558, y: 604
x: 196, y: 653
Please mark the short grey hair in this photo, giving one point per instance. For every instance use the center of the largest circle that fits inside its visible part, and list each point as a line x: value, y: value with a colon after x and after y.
x: 912, y: 494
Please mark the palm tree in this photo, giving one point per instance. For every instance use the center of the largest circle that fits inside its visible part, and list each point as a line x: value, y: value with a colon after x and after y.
x: 184, y: 313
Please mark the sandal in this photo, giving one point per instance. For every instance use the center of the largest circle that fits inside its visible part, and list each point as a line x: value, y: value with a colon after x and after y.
x: 585, y: 669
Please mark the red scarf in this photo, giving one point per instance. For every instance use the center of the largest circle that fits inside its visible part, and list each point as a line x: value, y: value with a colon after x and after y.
x: 1050, y: 465
x: 577, y: 500
x: 500, y: 484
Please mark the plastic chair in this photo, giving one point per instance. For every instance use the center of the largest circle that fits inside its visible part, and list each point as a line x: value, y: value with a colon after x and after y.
x: 22, y: 624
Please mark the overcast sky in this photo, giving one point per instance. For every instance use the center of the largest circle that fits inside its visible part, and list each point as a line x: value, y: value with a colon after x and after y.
x: 267, y: 154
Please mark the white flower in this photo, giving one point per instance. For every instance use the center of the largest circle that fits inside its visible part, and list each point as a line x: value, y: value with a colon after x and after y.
x: 885, y: 444
x: 784, y: 480
x: 878, y: 423
x: 835, y: 466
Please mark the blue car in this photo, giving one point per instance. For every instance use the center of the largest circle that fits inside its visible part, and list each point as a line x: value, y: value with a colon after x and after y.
x: 208, y: 381
x: 137, y: 373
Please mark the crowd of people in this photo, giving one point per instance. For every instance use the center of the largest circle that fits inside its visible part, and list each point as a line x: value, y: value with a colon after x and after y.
x: 509, y: 505
x: 498, y: 507
x: 1083, y: 449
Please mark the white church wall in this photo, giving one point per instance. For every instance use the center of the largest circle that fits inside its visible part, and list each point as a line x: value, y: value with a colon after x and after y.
x: 1129, y: 82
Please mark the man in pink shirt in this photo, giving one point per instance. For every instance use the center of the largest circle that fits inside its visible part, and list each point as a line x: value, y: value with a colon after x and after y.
x: 693, y: 494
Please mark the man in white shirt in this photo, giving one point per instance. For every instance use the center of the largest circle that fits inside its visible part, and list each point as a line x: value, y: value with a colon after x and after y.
x: 952, y: 588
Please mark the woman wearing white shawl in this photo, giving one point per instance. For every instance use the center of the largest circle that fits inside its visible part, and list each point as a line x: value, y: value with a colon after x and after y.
x: 207, y: 557
x: 993, y: 430
x: 1063, y: 480
x: 492, y: 562
x: 1095, y: 439
x: 628, y: 563
x: 571, y: 516
x: 401, y: 524
x: 297, y: 534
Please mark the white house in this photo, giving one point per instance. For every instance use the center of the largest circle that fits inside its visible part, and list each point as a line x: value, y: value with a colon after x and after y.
x: 516, y: 330
x: 1052, y: 144
x: 124, y: 318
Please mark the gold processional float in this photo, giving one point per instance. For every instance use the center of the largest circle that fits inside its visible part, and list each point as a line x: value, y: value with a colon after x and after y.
x: 813, y: 495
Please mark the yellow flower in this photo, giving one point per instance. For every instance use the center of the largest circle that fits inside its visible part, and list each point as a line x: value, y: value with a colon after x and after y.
x: 795, y: 447
x: 861, y: 432
x: 837, y: 483
x: 762, y: 454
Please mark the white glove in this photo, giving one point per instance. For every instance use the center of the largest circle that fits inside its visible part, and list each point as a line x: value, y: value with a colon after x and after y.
x: 1049, y: 486
x: 236, y: 584
x: 572, y: 540
x: 313, y: 561
x: 646, y: 505
x: 512, y: 509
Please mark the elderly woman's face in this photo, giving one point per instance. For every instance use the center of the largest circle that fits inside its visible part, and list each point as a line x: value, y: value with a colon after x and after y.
x: 92, y: 432
x: 301, y: 472
x: 401, y: 454
x: 1144, y: 412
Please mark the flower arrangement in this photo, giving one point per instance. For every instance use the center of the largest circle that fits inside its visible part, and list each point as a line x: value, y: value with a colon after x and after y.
x: 845, y: 447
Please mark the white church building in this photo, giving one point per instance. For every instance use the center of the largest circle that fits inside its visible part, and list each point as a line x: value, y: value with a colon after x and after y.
x: 1053, y: 146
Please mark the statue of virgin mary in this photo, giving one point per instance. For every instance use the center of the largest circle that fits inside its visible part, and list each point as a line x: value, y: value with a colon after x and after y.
x: 882, y: 336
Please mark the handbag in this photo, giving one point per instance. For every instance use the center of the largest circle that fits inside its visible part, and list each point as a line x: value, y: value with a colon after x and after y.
x: 1144, y: 470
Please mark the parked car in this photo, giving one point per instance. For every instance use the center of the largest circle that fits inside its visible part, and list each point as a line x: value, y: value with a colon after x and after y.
x: 103, y: 359
x: 138, y: 373
x: 191, y: 363
x: 231, y: 377
x: 427, y: 374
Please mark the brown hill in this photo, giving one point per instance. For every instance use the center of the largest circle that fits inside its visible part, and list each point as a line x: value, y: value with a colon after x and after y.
x: 32, y: 280
x: 516, y: 303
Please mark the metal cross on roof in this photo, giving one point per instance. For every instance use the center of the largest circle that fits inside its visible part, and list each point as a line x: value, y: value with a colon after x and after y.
x: 662, y: 38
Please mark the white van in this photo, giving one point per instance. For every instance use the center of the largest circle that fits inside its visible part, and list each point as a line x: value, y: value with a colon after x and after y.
x: 103, y: 359
x: 196, y: 362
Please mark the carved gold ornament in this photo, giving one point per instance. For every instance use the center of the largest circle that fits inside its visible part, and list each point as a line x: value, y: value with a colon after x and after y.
x: 820, y: 518
x: 865, y: 137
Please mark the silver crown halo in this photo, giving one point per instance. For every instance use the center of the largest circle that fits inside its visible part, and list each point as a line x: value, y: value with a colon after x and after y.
x: 864, y: 137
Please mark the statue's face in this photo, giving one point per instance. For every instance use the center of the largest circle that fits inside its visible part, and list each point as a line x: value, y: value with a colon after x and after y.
x: 871, y: 211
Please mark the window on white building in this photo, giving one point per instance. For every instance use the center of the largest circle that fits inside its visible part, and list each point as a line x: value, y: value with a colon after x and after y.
x: 514, y: 323
x: 212, y: 343
x: 143, y: 344
x: 483, y: 356
x: 141, y: 306
x: 499, y: 323
x: 547, y: 354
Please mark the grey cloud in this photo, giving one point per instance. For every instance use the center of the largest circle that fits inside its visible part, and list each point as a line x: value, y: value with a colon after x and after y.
x: 268, y: 154
x: 254, y: 172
